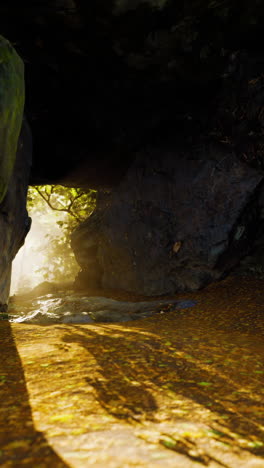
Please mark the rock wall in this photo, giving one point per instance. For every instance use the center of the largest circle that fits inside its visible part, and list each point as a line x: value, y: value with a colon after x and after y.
x: 177, y: 222
x: 14, y: 220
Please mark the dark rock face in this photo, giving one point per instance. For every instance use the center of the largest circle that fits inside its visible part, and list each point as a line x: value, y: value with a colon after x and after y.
x: 106, y: 77
x: 177, y: 222
x: 253, y: 263
x: 14, y: 220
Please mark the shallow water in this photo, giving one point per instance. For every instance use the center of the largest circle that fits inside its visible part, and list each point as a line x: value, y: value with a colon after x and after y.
x: 65, y: 308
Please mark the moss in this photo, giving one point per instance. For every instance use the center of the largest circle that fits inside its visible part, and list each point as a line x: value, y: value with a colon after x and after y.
x: 12, y: 97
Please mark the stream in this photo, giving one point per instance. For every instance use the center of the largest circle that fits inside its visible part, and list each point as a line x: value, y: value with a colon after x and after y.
x: 70, y: 307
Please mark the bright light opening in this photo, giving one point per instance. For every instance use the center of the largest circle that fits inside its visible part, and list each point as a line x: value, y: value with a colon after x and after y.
x: 46, y: 254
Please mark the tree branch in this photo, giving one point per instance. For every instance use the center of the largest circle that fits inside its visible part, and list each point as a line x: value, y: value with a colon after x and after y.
x: 67, y: 209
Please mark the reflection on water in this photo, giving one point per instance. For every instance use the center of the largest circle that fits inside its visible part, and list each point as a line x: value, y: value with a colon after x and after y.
x: 74, y: 308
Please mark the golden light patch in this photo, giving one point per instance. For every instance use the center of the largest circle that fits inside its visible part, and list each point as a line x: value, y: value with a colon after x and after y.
x: 176, y: 247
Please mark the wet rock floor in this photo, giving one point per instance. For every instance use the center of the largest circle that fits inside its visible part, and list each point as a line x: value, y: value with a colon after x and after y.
x: 179, y: 389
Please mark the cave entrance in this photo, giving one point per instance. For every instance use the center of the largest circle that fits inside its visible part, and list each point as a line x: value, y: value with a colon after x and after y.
x: 46, y: 255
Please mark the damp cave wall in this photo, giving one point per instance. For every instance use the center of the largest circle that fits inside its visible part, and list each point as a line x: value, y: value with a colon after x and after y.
x: 114, y: 89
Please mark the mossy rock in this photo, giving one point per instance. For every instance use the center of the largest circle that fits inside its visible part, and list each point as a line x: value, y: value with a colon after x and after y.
x: 12, y: 98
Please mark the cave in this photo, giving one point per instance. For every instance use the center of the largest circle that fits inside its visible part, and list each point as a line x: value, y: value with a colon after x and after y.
x: 163, y: 120
x: 156, y: 107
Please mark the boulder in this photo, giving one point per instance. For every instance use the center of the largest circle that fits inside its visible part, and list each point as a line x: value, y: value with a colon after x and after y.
x: 178, y: 221
x: 12, y: 97
x: 15, y: 163
x: 14, y: 220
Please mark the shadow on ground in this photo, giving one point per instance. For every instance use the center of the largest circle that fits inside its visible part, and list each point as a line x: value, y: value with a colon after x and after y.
x: 195, y: 375
x: 20, y: 443
x: 206, y: 376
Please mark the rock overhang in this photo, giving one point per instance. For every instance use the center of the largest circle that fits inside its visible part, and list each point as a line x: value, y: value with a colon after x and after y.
x: 105, y: 79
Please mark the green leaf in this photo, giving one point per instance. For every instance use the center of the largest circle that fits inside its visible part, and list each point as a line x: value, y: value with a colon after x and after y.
x: 205, y: 384
x: 170, y: 444
x: 255, y: 444
x: 216, y: 432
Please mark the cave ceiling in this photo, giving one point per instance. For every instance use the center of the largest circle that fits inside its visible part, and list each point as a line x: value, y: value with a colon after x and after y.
x: 106, y: 79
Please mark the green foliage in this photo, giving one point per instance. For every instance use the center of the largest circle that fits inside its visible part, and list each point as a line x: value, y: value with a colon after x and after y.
x: 64, y: 208
x: 77, y: 203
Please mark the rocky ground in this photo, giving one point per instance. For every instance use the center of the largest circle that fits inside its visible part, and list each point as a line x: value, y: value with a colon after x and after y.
x: 183, y: 388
